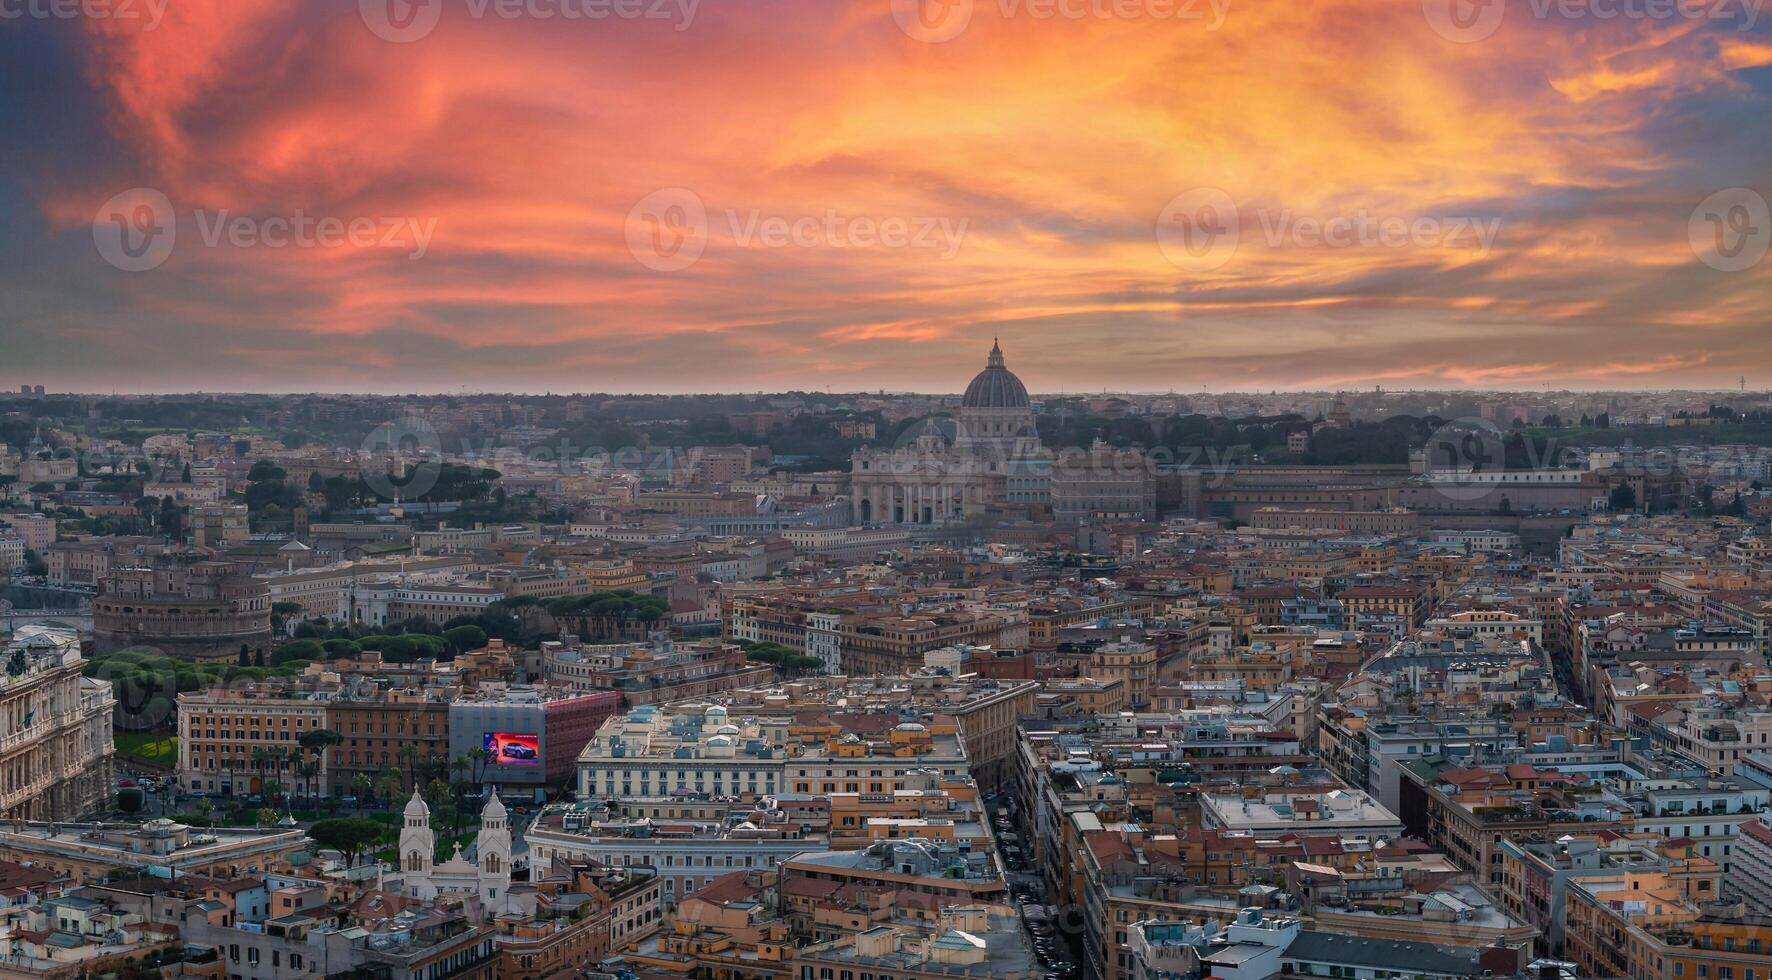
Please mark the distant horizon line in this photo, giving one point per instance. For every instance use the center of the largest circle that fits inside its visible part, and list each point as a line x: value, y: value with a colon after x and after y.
x: 8, y: 393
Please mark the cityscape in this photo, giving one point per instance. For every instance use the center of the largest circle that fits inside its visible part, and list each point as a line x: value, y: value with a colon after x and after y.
x: 885, y: 490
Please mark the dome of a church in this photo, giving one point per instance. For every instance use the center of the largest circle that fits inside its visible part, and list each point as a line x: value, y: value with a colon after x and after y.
x: 416, y: 806
x: 996, y: 386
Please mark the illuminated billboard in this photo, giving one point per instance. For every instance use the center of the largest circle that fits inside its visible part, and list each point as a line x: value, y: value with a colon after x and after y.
x: 513, y: 748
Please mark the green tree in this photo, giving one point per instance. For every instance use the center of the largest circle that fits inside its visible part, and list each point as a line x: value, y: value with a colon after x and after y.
x: 770, y: 653
x: 479, y: 757
x: 264, y: 469
x: 298, y: 650
x: 306, y: 770
x: 389, y: 785
x: 319, y: 740
x: 408, y: 753
x: 1623, y: 498
x: 361, y: 784
x: 441, y: 800
x: 349, y: 836
x: 172, y: 519
x: 462, y: 639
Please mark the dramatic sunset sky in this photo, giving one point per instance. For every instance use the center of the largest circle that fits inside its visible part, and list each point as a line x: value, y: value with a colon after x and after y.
x: 1042, y: 151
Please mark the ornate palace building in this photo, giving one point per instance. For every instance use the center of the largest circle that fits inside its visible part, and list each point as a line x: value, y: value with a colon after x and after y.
x: 55, y: 728
x: 988, y: 456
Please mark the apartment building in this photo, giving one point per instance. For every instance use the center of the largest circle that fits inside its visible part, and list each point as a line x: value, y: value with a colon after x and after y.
x: 582, y: 914
x: 1348, y: 813
x: 12, y: 553
x: 87, y: 563
x: 403, y: 728
x: 534, y: 736
x: 687, y: 854
x: 1536, y: 874
x: 1467, y: 811
x: 983, y: 711
x: 648, y: 751
x: 92, y: 852
x: 327, y: 590
x: 1639, y: 924
x: 1407, y: 604
x: 237, y: 740
x: 539, y: 583
x: 653, y: 672
x: 37, y: 530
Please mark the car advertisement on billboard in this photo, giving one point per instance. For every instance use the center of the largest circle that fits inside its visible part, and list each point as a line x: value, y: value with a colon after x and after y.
x: 514, y: 748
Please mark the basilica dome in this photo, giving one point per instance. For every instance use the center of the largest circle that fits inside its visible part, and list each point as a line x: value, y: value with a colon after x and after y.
x: 996, y: 386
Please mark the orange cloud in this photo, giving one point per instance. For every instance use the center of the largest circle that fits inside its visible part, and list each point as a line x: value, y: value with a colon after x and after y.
x: 1055, y: 142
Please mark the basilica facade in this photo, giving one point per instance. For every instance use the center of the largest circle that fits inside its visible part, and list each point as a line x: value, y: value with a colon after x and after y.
x: 487, y: 877
x: 949, y: 471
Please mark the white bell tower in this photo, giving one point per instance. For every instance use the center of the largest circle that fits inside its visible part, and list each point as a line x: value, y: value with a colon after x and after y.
x: 494, y: 849
x: 418, y: 845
